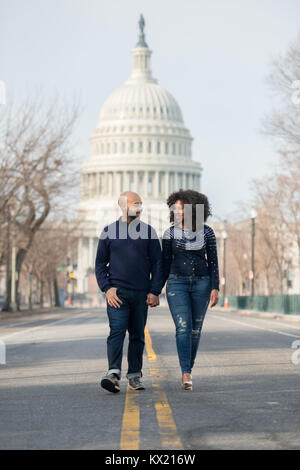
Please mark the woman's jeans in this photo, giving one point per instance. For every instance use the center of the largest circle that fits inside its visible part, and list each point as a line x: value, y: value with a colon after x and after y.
x: 131, y: 316
x: 188, y: 298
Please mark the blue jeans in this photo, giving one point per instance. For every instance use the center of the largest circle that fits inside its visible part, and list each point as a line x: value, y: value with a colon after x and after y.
x: 188, y: 298
x: 131, y: 316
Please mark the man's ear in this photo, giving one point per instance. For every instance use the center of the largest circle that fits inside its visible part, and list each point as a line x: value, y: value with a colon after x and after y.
x: 122, y: 201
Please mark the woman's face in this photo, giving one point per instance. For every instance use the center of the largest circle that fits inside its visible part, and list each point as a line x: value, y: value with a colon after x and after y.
x: 178, y: 212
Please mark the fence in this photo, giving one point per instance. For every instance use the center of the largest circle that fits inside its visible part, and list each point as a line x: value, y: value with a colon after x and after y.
x: 288, y: 304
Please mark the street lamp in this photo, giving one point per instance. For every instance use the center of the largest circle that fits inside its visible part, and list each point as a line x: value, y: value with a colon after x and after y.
x: 224, y: 236
x: 253, y: 215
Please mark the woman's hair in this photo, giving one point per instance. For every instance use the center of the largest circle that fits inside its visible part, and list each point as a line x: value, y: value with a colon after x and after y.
x: 189, y: 196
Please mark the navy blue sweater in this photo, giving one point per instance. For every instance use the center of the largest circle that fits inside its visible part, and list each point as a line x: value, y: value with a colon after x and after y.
x: 127, y: 255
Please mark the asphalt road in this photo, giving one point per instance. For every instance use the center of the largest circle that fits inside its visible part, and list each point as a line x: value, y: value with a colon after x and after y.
x: 246, y: 388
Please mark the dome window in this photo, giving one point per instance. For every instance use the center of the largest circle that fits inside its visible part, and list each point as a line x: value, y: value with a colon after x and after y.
x: 166, y: 148
x: 174, y: 148
x: 131, y: 147
x: 149, y: 146
x: 140, y: 147
x: 158, y: 147
x: 148, y: 109
x: 123, y: 147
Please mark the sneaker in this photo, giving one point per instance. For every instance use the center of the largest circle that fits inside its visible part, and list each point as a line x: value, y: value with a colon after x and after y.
x: 111, y: 383
x: 136, y: 384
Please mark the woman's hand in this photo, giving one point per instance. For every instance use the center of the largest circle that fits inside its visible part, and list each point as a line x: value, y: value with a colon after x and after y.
x: 214, y: 297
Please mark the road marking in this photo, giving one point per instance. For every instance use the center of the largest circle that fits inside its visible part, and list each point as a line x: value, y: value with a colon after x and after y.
x: 164, y: 415
x: 282, y: 321
x: 130, y: 433
x: 254, y: 326
x: 27, y: 330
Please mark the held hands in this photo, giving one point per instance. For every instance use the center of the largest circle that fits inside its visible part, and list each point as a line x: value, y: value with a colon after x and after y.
x: 112, y: 298
x: 152, y: 300
x: 214, y: 297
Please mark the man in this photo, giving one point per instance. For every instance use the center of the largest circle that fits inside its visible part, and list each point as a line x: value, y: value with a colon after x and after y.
x: 128, y: 253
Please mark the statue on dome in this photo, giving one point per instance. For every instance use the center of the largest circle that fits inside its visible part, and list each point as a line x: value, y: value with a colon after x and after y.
x: 142, y: 23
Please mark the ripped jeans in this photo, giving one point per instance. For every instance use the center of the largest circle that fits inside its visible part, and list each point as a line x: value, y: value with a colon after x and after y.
x: 188, y: 298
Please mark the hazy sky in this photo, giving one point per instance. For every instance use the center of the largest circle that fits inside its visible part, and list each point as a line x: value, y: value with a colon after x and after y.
x: 212, y: 55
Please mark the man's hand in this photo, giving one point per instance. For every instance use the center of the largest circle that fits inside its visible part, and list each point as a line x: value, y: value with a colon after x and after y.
x: 214, y: 297
x: 112, y: 298
x: 152, y: 300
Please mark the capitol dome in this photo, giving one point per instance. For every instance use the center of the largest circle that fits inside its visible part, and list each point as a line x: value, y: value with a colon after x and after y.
x: 141, y: 100
x: 140, y: 144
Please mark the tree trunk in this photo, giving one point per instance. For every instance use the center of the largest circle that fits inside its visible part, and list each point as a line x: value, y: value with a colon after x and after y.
x: 56, y: 294
x: 41, y: 293
x: 50, y: 294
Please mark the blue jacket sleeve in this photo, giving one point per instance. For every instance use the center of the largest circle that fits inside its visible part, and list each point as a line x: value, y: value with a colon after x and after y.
x: 167, y: 254
x: 101, y: 263
x: 212, y: 258
x: 155, y: 255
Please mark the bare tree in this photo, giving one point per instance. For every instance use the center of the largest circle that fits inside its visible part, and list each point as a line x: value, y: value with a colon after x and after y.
x: 36, y: 171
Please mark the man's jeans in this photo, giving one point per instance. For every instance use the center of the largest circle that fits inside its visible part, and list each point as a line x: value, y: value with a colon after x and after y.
x: 131, y: 316
x: 188, y: 298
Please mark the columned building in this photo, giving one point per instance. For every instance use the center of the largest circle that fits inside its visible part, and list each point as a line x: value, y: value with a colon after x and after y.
x: 140, y: 144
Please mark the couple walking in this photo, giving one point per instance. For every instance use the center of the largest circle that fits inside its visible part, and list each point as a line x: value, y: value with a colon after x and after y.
x: 132, y: 268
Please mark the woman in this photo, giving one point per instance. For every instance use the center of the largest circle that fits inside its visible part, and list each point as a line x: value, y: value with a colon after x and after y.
x: 191, y: 269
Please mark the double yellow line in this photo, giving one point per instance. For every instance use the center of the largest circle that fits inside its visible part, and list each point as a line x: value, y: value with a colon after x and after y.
x: 130, y: 434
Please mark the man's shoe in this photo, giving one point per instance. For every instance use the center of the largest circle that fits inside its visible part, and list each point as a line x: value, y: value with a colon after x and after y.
x: 111, y: 383
x: 136, y: 384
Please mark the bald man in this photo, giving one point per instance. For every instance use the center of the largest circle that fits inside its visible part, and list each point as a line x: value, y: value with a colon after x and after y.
x: 129, y: 270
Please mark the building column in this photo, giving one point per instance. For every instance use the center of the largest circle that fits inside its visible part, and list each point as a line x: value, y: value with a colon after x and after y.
x: 91, y: 252
x: 97, y: 183
x: 126, y: 181
x: 155, y: 185
x: 145, y: 183
x: 166, y: 184
x: 176, y: 181
x: 135, y: 181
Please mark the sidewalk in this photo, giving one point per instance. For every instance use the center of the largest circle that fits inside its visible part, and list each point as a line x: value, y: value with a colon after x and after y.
x: 258, y: 314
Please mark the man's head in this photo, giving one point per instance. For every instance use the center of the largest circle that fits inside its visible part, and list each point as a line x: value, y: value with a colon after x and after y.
x: 130, y: 204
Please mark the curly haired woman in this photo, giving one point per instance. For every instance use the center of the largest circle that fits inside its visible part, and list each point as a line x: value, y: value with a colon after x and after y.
x: 191, y: 269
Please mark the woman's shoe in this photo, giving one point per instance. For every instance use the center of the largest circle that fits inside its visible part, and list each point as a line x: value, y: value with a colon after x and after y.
x: 187, y: 383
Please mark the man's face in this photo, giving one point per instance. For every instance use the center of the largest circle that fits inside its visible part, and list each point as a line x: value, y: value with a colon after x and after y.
x: 134, y: 206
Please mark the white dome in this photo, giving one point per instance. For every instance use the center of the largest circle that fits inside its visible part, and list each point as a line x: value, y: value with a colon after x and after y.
x: 141, y: 100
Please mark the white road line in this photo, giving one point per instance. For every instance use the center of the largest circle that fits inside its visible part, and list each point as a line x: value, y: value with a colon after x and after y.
x: 266, y: 320
x: 32, y: 320
x: 255, y: 326
x: 27, y: 330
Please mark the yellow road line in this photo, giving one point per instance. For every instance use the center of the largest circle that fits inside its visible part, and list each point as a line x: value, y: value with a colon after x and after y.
x: 130, y: 434
x: 164, y: 415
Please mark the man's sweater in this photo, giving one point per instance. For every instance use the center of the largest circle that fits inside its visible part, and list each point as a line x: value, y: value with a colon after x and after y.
x: 130, y: 256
